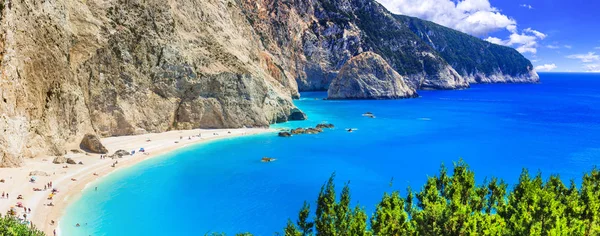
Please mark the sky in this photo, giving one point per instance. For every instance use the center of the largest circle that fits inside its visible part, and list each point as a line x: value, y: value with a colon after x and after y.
x: 556, y: 35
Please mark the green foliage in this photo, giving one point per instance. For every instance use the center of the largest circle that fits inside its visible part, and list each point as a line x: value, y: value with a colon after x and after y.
x: 453, y: 204
x: 10, y: 226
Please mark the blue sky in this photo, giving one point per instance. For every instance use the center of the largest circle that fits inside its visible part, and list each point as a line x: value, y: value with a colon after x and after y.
x: 556, y: 35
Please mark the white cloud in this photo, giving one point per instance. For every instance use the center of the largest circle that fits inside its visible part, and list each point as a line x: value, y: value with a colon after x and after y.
x: 552, y: 46
x: 589, y: 57
x: 526, y: 6
x: 476, y: 17
x: 536, y: 33
x: 546, y: 67
x: 524, y: 43
x: 597, y: 48
x: 592, y: 67
x: 568, y: 46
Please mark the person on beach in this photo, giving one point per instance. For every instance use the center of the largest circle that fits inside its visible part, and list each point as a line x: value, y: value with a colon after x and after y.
x: 3, y: 194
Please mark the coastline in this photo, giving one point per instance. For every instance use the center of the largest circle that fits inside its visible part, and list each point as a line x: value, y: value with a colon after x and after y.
x: 94, y: 168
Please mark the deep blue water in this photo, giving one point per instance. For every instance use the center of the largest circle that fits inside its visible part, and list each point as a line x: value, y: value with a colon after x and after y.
x: 222, y: 186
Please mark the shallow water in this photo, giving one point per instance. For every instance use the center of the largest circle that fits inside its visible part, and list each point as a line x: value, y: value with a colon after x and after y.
x: 222, y: 186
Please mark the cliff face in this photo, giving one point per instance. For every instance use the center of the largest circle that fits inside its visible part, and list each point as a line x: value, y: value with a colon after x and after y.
x: 325, y: 34
x: 368, y: 76
x: 120, y: 67
x: 477, y: 60
x: 123, y: 67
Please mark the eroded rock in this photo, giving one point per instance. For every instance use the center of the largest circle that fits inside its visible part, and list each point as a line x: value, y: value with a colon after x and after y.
x: 91, y: 143
x: 59, y: 160
x: 368, y: 76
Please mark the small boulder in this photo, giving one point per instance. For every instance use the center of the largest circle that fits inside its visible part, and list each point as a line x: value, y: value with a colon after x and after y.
x: 70, y: 161
x: 325, y: 126
x: 298, y: 131
x: 313, y: 131
x: 59, y: 160
x: 297, y: 114
x: 120, y: 154
x: 284, y: 134
x: 38, y: 173
x: 91, y: 143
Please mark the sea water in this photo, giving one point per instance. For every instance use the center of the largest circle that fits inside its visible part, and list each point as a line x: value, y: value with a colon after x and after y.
x: 222, y: 186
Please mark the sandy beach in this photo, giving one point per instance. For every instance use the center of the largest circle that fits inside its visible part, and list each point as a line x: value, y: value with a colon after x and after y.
x: 72, y: 180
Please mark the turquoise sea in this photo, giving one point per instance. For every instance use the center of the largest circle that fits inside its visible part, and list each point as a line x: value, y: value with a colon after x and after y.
x: 221, y: 186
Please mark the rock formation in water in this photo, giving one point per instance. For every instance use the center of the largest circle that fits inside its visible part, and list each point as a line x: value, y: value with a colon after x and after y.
x: 117, y: 67
x: 368, y: 76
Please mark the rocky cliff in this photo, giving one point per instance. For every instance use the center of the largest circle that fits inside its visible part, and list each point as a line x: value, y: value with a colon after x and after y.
x: 369, y: 76
x: 121, y: 67
x: 322, y: 35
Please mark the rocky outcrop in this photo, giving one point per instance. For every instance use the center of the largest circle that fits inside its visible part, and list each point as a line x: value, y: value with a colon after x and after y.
x: 284, y: 134
x: 368, y: 76
x: 119, y: 154
x: 91, y: 143
x: 325, y: 126
x: 70, y: 161
x: 69, y: 68
x: 59, y: 160
x: 297, y: 114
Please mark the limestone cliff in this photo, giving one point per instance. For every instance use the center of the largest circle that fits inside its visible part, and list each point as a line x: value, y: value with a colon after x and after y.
x: 317, y: 37
x: 320, y: 36
x: 368, y: 76
x: 120, y: 67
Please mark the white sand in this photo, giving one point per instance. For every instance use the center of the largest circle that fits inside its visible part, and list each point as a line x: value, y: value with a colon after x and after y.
x: 17, y: 179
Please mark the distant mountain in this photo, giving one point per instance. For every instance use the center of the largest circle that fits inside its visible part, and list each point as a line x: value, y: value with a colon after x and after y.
x: 477, y: 60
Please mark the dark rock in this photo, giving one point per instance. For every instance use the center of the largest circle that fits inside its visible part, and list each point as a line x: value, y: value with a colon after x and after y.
x: 298, y: 131
x: 313, y: 131
x: 119, y: 154
x: 59, y: 160
x: 297, y: 114
x: 71, y: 161
x: 325, y: 126
x: 91, y: 143
x: 284, y: 134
